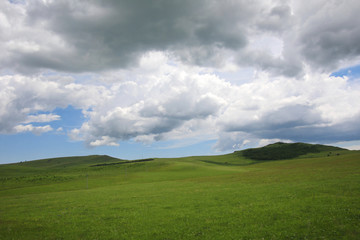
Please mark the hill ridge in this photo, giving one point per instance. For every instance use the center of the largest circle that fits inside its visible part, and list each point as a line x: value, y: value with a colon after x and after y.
x: 273, y: 151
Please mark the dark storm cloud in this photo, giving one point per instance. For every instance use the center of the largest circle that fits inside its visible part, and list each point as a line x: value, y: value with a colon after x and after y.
x: 300, y: 123
x: 329, y: 34
x: 277, y: 19
x: 345, y: 131
x: 288, y: 117
x: 102, y: 35
x: 289, y: 66
x: 90, y: 36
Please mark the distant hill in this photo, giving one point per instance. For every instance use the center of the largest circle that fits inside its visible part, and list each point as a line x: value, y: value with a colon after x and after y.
x: 62, y: 162
x: 275, y: 151
x: 280, y: 150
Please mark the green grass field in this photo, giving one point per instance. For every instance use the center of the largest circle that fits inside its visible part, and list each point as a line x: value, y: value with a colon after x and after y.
x: 313, y: 196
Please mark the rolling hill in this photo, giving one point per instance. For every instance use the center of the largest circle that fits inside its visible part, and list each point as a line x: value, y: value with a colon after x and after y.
x: 234, y: 196
x: 280, y: 150
x: 275, y: 151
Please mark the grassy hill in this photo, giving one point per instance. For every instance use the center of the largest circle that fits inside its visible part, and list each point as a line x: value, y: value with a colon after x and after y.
x: 64, y: 162
x: 282, y: 150
x: 232, y: 196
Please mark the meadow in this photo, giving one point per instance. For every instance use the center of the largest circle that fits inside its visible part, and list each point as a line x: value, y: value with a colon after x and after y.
x: 312, y: 196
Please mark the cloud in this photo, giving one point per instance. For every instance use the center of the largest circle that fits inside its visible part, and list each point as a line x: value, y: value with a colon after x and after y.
x: 287, y: 117
x: 151, y: 71
x: 175, y: 101
x: 37, y: 130
x: 345, y: 131
x: 316, y: 109
x: 166, y: 103
x: 241, y: 140
x: 277, y: 18
x: 22, y: 98
x: 79, y: 36
x: 164, y: 99
x: 327, y: 33
x: 105, y: 140
x: 93, y: 36
x: 351, y: 145
x: 42, y: 118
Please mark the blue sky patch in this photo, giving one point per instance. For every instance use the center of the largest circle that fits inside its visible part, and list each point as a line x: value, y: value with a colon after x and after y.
x: 350, y: 72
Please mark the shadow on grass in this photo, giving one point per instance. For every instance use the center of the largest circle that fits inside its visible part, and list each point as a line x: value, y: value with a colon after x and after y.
x: 122, y: 162
x: 232, y: 164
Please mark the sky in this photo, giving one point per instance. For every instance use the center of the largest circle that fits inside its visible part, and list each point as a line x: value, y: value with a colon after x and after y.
x: 169, y: 78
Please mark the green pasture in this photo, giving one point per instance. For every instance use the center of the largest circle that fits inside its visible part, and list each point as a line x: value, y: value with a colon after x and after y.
x: 313, y: 196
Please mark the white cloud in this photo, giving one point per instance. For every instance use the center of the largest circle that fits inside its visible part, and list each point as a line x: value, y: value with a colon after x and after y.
x: 37, y: 130
x: 317, y: 108
x: 354, y: 147
x: 42, y: 118
x: 170, y: 103
x: 156, y: 106
x: 177, y: 101
x: 351, y: 145
x: 147, y: 72
x: 105, y: 140
x: 22, y: 98
x: 241, y: 140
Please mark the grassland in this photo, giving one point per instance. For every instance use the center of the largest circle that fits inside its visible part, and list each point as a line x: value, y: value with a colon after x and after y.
x: 312, y: 196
